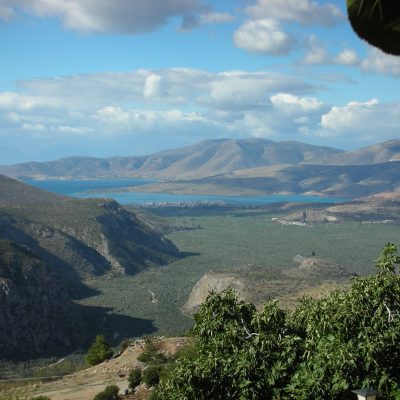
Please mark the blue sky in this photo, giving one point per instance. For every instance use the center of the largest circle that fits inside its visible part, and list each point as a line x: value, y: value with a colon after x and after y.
x: 129, y: 77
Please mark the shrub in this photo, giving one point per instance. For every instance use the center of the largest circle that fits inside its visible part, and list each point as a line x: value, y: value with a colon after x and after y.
x: 151, y: 353
x: 151, y: 375
x: 135, y: 377
x: 124, y: 345
x: 109, y: 393
x: 99, y: 351
x: 40, y: 398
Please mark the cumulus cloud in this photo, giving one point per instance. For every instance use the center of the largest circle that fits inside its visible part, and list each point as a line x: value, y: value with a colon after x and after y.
x: 152, y: 86
x: 318, y: 54
x: 305, y: 12
x: 104, y: 16
x: 237, y: 90
x: 347, y: 57
x: 289, y: 101
x: 184, y: 102
x: 381, y: 63
x: 263, y: 36
x: 362, y: 119
x: 149, y: 104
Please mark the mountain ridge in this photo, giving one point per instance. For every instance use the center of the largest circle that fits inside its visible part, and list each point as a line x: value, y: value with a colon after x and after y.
x: 209, y: 157
x: 80, y: 238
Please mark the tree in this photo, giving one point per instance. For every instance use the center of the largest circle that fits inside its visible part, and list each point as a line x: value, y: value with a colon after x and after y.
x: 377, y: 22
x: 134, y: 378
x: 109, y: 393
x: 322, y: 350
x: 99, y: 351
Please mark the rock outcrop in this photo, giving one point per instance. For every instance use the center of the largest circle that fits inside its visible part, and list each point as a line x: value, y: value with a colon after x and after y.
x: 313, y: 277
x: 37, y: 316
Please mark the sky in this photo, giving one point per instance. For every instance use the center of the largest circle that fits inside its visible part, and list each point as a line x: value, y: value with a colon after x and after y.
x: 104, y: 78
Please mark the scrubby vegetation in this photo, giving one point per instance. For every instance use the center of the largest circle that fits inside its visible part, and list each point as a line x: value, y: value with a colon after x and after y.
x: 109, y: 393
x: 99, y: 351
x: 224, y: 243
x: 134, y: 378
x: 324, y: 349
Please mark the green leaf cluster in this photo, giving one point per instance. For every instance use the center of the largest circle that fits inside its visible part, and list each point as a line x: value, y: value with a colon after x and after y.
x: 134, y: 378
x: 377, y: 22
x: 99, y: 351
x: 323, y: 350
x: 109, y: 393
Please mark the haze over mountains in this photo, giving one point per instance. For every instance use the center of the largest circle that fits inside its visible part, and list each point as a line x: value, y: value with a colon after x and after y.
x: 256, y: 164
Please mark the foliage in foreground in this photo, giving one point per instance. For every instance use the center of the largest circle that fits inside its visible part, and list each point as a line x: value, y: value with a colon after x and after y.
x: 99, y: 351
x: 109, y: 393
x: 323, y: 350
x: 134, y: 378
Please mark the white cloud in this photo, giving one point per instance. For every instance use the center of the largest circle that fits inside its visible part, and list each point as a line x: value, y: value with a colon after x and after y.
x: 359, y: 119
x: 152, y: 86
x: 244, y: 91
x: 347, y: 57
x: 263, y: 36
x: 129, y: 119
x: 23, y: 102
x: 303, y: 11
x: 289, y: 101
x: 318, y: 54
x: 381, y: 63
x: 216, y: 18
x: 104, y: 16
x: 185, y: 102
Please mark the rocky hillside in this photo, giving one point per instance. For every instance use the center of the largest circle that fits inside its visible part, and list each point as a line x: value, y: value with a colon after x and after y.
x: 312, y: 277
x: 79, y: 238
x: 37, y: 315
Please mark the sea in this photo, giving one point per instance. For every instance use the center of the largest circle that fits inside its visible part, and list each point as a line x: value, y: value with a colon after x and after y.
x: 113, y: 188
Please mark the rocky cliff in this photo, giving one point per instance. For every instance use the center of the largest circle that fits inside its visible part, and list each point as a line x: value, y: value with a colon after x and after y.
x: 37, y: 315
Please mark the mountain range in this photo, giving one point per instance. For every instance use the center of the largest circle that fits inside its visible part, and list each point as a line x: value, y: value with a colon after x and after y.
x: 204, y: 159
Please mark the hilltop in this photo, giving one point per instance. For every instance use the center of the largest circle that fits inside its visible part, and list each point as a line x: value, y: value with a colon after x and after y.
x: 80, y: 238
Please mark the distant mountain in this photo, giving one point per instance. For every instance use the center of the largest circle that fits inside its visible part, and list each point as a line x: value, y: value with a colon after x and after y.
x: 260, y: 165
x: 377, y: 153
x: 329, y: 180
x: 207, y: 158
x: 37, y: 315
x: 79, y: 238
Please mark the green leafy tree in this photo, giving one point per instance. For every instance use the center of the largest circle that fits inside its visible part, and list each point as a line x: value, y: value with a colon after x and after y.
x: 323, y: 350
x: 151, y: 375
x: 99, y: 351
x: 134, y: 378
x: 152, y: 353
x: 109, y: 393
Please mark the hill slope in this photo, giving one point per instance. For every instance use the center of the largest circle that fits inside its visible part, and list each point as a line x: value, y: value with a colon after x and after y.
x: 377, y: 153
x: 80, y: 238
x: 36, y: 314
